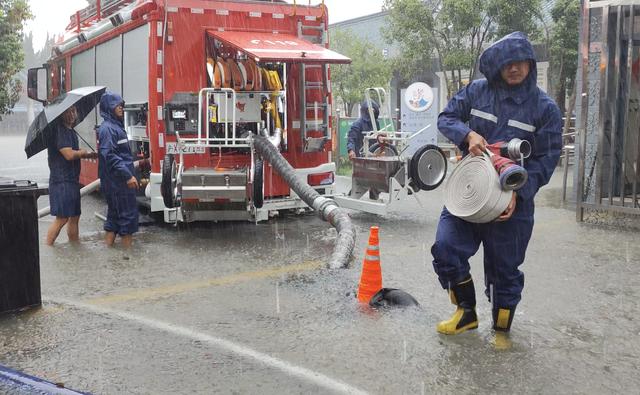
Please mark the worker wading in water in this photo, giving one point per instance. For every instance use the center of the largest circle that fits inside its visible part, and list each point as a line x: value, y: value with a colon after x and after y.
x: 505, y: 105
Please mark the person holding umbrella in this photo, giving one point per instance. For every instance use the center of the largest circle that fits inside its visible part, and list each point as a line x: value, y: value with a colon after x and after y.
x: 53, y: 130
x: 116, y: 170
x: 64, y: 186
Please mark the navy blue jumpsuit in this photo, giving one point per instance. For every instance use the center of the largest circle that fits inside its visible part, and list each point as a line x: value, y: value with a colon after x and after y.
x: 115, y: 168
x: 355, y: 138
x: 64, y: 185
x: 499, y: 112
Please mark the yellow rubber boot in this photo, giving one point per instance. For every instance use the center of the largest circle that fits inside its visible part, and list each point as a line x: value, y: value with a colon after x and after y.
x: 464, y: 318
x: 501, y: 341
x: 502, y: 319
x: 461, y: 321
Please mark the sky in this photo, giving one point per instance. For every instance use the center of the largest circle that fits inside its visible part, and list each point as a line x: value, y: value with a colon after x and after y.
x: 50, y: 16
x: 53, y: 15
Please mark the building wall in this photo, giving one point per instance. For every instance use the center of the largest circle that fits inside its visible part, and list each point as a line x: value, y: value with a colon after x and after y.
x: 369, y: 28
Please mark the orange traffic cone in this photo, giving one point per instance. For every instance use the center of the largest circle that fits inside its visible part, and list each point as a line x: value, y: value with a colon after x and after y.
x: 371, y: 278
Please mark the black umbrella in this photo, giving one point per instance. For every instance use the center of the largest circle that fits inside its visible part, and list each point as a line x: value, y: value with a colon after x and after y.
x: 44, y: 127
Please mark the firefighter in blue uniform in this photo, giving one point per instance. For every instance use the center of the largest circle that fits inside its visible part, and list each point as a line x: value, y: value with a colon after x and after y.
x: 355, y: 138
x: 117, y: 175
x: 505, y: 105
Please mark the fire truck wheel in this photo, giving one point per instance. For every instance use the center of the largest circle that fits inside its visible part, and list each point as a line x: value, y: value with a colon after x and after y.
x: 378, y: 149
x: 258, y: 184
x: 428, y: 167
x: 168, y: 181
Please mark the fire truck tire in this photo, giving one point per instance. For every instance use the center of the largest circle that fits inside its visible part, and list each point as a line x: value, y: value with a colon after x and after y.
x: 258, y: 184
x: 168, y: 181
x: 378, y: 149
x: 428, y: 167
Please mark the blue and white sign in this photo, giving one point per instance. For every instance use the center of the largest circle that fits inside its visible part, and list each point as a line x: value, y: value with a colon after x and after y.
x: 413, y: 121
x: 418, y: 97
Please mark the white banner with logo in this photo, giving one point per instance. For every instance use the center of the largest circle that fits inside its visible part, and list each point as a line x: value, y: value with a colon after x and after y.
x: 419, y: 108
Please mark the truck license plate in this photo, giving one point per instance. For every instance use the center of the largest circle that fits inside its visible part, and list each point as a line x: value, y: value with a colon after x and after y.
x: 172, y: 148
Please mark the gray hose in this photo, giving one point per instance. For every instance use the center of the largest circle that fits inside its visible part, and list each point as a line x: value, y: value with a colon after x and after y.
x: 326, y: 208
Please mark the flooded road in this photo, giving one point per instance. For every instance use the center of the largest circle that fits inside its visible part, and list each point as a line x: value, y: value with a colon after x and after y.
x: 245, y: 308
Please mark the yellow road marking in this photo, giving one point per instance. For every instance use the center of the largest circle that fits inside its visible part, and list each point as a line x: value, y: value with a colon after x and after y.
x: 149, y: 293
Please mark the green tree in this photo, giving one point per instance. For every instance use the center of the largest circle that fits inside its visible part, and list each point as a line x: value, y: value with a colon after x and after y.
x: 519, y: 15
x: 411, y: 25
x: 368, y: 67
x: 454, y: 32
x: 564, y: 47
x: 13, y: 14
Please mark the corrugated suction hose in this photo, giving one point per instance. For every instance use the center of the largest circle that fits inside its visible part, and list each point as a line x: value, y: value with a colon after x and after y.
x: 326, y: 208
x: 473, y: 192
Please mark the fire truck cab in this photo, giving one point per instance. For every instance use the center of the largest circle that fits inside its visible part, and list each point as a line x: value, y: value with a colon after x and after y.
x: 199, y: 79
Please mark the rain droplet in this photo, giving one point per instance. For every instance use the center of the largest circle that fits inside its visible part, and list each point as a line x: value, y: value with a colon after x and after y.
x: 277, y: 298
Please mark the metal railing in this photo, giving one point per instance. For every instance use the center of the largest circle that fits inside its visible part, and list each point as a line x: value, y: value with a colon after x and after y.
x: 609, y: 121
x: 107, y: 7
x: 204, y: 138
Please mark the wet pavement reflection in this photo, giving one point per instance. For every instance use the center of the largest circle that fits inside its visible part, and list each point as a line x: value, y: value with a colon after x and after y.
x: 245, y: 308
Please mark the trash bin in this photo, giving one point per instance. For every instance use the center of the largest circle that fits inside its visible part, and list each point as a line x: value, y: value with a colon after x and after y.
x: 19, y: 245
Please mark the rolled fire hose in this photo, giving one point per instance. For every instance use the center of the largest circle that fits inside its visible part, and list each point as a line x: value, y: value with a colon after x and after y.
x: 85, y: 190
x: 326, y: 208
x: 473, y: 192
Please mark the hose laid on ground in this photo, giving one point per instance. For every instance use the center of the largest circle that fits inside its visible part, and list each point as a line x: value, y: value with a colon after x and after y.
x: 473, y: 191
x: 326, y: 208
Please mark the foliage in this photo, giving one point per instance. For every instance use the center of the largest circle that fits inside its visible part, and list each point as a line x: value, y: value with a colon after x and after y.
x: 454, y: 31
x: 345, y: 168
x: 510, y: 16
x: 368, y: 67
x: 564, y: 46
x: 13, y: 13
x: 413, y: 23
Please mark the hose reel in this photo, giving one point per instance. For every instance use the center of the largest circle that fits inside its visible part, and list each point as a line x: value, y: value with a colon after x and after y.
x: 428, y: 167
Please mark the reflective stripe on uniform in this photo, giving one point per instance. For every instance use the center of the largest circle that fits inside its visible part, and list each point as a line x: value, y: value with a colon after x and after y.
x: 484, y: 115
x: 122, y: 141
x: 520, y: 125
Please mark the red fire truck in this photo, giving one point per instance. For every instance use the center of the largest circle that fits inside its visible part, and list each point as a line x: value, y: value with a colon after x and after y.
x: 199, y: 78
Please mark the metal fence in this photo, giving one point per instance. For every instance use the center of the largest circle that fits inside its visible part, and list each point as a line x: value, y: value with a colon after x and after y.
x: 568, y: 153
x: 609, y: 118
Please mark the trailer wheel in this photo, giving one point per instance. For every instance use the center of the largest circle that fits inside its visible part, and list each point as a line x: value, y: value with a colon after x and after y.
x: 168, y: 185
x: 258, y: 184
x: 428, y: 167
x: 378, y: 149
